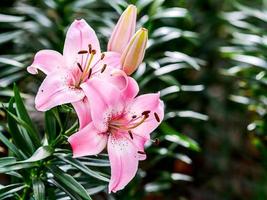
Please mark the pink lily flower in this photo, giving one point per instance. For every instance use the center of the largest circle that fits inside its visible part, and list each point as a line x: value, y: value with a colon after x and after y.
x: 122, y: 122
x: 81, y: 60
x: 129, y: 46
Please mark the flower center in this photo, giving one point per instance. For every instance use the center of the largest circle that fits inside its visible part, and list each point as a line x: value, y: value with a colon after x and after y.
x: 128, y: 125
x: 86, y: 67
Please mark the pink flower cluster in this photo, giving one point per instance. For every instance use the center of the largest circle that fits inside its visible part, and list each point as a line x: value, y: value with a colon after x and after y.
x: 102, y: 93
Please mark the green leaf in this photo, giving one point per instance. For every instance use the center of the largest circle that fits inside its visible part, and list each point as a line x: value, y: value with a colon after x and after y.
x: 17, y: 166
x: 11, y: 146
x: 69, y: 182
x: 40, y: 154
x: 10, y: 18
x: 38, y: 189
x: 22, y: 141
x: 9, y: 190
x: 23, y: 114
x: 7, y: 161
x: 174, y: 136
x: 50, y: 125
x: 84, y: 169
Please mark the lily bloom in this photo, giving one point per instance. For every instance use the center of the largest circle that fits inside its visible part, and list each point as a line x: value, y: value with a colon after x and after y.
x: 122, y: 122
x: 129, y: 46
x: 81, y: 60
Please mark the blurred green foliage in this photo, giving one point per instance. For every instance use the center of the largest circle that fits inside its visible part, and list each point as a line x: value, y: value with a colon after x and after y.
x: 208, y: 60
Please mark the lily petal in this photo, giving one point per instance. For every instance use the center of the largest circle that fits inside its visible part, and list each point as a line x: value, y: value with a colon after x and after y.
x: 123, y: 30
x: 134, y: 53
x: 152, y: 103
x: 47, y: 61
x: 82, y: 109
x: 123, y: 158
x: 127, y: 85
x: 55, y: 90
x: 78, y: 37
x: 87, y: 141
x: 105, y: 100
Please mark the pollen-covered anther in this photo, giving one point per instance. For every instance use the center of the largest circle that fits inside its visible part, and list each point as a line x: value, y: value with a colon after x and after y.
x: 83, y: 52
x: 141, y: 152
x: 156, y: 141
x: 102, y: 56
x: 90, y: 73
x: 131, y: 134
x: 146, y: 113
x: 80, y: 67
x: 103, y: 68
x: 93, y: 51
x: 90, y: 48
x: 157, y: 117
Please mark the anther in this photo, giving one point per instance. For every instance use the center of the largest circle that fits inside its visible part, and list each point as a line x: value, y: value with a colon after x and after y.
x: 134, y: 116
x: 156, y: 141
x: 93, y: 51
x: 131, y: 134
x: 146, y: 112
x: 90, y: 48
x: 103, y: 68
x: 80, y: 67
x: 102, y: 56
x: 82, y: 52
x: 90, y: 73
x: 156, y: 117
x: 141, y: 152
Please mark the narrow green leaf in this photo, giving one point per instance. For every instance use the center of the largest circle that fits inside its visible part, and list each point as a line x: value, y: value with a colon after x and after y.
x: 11, y: 146
x: 174, y: 136
x: 38, y: 189
x: 23, y: 114
x: 22, y: 141
x: 40, y: 154
x: 17, y: 166
x: 7, y: 161
x: 69, y: 182
x: 84, y: 169
x: 50, y: 125
x: 9, y: 190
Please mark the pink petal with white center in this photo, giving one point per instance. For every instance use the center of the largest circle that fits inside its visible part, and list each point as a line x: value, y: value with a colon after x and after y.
x: 47, y: 61
x: 78, y: 37
x: 82, y: 109
x: 87, y: 141
x: 123, y: 158
x: 123, y: 30
x: 147, y: 102
x: 105, y: 101
x: 56, y: 90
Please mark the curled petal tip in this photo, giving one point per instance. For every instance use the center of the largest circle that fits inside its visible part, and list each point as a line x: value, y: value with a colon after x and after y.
x: 134, y: 53
x: 123, y: 30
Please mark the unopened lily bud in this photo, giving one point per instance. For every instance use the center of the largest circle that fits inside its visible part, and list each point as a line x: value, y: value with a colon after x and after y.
x: 123, y: 30
x: 134, y: 53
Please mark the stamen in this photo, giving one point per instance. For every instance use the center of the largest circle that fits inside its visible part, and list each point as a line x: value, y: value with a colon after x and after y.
x: 156, y: 117
x: 156, y: 141
x: 141, y: 152
x: 80, y: 67
x: 93, y: 52
x: 90, y: 73
x: 103, y: 68
x: 90, y: 48
x: 131, y: 134
x: 102, y: 56
x: 146, y: 112
x: 82, y: 52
